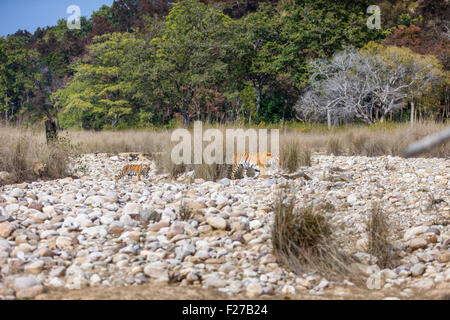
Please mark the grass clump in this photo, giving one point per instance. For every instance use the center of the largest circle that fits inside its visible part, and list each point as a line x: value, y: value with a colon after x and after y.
x: 208, y: 172
x: 186, y: 212
x: 303, y: 240
x: 294, y: 155
x: 379, y: 244
x: 375, y: 148
x: 334, y: 146
x: 164, y: 164
x: 325, y: 206
x: 21, y: 149
x: 212, y: 172
x: 357, y: 143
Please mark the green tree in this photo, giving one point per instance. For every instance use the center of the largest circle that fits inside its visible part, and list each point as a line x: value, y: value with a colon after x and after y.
x: 261, y: 48
x: 191, y: 54
x: 102, y: 90
x: 18, y: 74
x: 318, y: 29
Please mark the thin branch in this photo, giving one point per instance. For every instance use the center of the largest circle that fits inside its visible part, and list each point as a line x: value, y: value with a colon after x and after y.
x: 427, y: 143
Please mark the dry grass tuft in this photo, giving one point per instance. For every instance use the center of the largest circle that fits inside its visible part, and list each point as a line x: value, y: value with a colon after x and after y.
x: 379, y: 244
x: 208, y: 172
x: 294, y: 154
x: 212, y: 172
x: 356, y: 143
x: 334, y: 146
x: 325, y: 206
x: 21, y: 149
x: 186, y: 212
x: 164, y: 164
x: 375, y: 148
x: 303, y: 241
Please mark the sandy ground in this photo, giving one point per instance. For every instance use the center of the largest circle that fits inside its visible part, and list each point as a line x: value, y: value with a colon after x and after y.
x: 168, y: 292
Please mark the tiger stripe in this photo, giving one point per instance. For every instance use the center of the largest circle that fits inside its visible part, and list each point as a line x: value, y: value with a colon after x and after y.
x: 134, y: 169
x: 255, y: 160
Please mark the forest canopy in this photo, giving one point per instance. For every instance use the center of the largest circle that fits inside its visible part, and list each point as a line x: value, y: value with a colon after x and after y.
x: 143, y: 63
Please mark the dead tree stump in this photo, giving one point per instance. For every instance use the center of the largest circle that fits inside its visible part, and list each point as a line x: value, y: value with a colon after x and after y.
x: 50, y: 131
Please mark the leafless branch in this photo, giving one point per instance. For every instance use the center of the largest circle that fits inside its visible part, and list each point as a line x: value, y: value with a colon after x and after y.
x: 427, y: 143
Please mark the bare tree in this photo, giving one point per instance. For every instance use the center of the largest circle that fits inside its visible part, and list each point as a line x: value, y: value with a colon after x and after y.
x: 397, y: 80
x: 364, y: 85
x: 328, y: 96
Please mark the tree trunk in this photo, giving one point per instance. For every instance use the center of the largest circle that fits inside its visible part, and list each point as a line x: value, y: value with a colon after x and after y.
x: 329, y: 118
x: 185, y: 117
x: 11, y: 109
x: 50, y: 131
x: 412, y: 113
x: 258, y: 99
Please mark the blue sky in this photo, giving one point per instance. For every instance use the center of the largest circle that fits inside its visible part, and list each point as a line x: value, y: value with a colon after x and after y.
x: 31, y: 14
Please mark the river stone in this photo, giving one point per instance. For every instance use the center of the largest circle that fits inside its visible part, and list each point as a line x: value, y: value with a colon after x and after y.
x: 214, y: 281
x: 132, y: 209
x: 254, y: 290
x: 418, y: 269
x: 12, y: 208
x: 17, y: 193
x: 5, y: 246
x: 29, y: 293
x: 149, y: 215
x: 444, y: 258
x: 352, y: 199
x: 196, y: 205
x: 6, y: 229
x: 36, y: 206
x: 255, y: 224
x: 34, y: 267
x: 24, y: 282
x: 56, y: 282
x: 414, y: 232
x: 418, y: 243
x: 64, y: 243
x: 96, y: 201
x: 157, y: 271
x: 158, y: 226
x: 217, y: 222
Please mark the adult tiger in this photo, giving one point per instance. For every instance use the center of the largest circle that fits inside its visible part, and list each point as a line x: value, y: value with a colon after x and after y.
x: 253, y: 160
x: 134, y: 169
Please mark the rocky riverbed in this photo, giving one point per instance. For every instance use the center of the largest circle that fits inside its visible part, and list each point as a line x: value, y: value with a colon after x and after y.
x: 76, y: 233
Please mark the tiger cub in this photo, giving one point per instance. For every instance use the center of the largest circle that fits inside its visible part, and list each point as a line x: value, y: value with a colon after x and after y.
x: 252, y: 160
x: 40, y: 168
x: 134, y: 169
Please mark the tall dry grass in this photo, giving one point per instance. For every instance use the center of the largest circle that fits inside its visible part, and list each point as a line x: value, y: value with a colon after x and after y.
x: 304, y: 240
x: 375, y: 140
x: 114, y: 142
x: 379, y: 238
x: 20, y: 149
x: 294, y: 154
